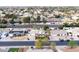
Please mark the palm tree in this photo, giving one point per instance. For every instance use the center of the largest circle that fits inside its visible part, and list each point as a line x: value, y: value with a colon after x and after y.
x: 53, y: 46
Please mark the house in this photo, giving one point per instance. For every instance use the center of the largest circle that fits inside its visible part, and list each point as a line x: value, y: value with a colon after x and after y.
x: 54, y: 20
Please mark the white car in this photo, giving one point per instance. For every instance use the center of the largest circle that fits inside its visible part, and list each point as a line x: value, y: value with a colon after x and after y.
x: 10, y: 35
x: 4, y: 34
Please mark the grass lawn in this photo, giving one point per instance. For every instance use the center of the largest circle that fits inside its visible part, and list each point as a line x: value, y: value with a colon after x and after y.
x: 13, y: 50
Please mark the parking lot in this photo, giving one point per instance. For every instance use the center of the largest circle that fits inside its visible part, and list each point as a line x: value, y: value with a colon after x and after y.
x: 68, y: 34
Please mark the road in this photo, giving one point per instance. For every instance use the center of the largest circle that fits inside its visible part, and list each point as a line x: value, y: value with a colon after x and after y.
x: 28, y: 43
x: 30, y: 25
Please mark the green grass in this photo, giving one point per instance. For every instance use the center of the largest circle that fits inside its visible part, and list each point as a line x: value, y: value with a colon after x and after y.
x: 13, y: 50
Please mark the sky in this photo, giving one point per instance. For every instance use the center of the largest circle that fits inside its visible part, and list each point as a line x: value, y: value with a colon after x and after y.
x: 39, y: 3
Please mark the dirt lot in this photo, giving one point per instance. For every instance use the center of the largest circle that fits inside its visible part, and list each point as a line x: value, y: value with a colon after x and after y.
x: 23, y: 49
x: 67, y: 49
x: 20, y: 37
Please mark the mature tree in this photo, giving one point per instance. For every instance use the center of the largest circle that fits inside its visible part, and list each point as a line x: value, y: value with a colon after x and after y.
x: 20, y: 22
x: 3, y: 21
x: 12, y: 21
x: 10, y: 16
x: 21, y: 9
x: 77, y: 25
x: 0, y: 21
x: 58, y: 34
x: 46, y: 27
x: 38, y: 44
x: 72, y: 25
x: 38, y: 19
x: 60, y: 27
x: 66, y: 25
x: 44, y: 21
x: 14, y: 16
x: 45, y: 39
x: 77, y: 20
x: 26, y: 19
x: 2, y: 26
x: 3, y: 13
x: 57, y: 16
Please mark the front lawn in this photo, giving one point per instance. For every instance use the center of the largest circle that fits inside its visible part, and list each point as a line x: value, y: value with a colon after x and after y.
x: 13, y: 50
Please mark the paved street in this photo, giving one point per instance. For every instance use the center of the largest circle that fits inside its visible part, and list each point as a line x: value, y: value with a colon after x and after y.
x: 28, y: 43
x: 31, y: 25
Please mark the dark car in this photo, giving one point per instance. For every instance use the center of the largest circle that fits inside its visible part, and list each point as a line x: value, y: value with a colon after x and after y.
x: 61, y: 40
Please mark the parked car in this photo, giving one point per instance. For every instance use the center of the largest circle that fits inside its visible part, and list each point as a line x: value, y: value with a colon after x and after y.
x: 4, y: 34
x: 18, y: 33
